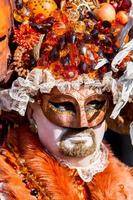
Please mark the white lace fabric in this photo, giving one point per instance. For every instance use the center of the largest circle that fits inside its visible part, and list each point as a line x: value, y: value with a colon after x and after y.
x: 97, y: 163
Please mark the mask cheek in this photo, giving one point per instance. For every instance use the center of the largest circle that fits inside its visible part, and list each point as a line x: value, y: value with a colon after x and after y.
x: 99, y: 133
x: 65, y: 118
x: 61, y: 119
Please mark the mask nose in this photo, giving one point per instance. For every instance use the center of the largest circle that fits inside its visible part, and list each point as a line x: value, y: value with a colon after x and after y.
x: 83, y: 123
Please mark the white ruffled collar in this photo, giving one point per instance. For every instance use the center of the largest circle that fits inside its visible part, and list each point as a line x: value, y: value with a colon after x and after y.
x: 98, y: 161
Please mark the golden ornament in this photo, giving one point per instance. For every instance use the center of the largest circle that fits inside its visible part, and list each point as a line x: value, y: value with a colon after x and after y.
x: 45, y: 7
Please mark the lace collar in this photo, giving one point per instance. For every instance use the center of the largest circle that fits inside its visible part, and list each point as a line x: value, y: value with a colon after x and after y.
x: 97, y: 163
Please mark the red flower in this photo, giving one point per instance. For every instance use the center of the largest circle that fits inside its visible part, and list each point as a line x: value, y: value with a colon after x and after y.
x: 26, y: 37
x: 70, y: 73
x: 56, y: 69
x: 51, y: 39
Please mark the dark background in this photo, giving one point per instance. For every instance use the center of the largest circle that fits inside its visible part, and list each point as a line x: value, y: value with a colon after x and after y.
x: 121, y: 146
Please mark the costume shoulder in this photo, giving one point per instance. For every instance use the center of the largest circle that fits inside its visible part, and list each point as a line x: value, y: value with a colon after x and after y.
x: 114, y: 183
x: 11, y: 186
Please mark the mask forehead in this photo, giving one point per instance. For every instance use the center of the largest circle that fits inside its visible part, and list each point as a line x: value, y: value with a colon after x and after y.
x: 80, y: 95
x: 73, y: 95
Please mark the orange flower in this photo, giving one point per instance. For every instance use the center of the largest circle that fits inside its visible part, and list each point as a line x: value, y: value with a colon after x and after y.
x: 70, y: 73
x: 26, y: 37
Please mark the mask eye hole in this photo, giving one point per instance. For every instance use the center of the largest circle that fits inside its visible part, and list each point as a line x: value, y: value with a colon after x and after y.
x: 63, y: 106
x: 95, y: 105
x: 95, y: 111
x: 2, y: 38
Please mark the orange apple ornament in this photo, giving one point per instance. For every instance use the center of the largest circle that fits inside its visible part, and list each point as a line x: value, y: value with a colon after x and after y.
x: 105, y: 12
x: 122, y: 17
x: 45, y: 7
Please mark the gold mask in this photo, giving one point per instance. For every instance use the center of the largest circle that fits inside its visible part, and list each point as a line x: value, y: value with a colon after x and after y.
x: 74, y: 109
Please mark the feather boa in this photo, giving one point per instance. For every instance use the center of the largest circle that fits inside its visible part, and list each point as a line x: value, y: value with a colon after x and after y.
x: 115, y: 183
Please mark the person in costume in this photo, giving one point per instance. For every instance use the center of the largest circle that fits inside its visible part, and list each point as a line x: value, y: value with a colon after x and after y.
x: 66, y: 57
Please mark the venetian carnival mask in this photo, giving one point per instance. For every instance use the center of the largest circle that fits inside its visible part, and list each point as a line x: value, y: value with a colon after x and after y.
x: 66, y: 130
x: 74, y: 109
x: 79, y: 113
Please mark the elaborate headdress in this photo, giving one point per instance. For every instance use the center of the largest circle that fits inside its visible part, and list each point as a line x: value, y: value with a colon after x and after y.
x: 70, y: 43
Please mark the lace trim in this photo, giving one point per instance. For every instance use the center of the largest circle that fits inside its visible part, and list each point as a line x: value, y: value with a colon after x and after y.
x: 97, y: 163
x: 2, y: 195
x: 24, y: 90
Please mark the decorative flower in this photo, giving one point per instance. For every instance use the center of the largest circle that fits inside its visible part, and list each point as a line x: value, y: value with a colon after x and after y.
x: 26, y: 37
x: 45, y: 7
x: 93, y: 74
x: 57, y: 69
x: 70, y: 73
x: 51, y: 39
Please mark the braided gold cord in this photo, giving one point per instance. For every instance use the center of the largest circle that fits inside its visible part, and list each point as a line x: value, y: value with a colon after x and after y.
x: 17, y: 64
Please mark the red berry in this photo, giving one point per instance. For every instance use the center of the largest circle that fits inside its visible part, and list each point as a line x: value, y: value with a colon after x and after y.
x: 103, y: 70
x: 126, y: 4
x: 39, y: 18
x: 106, y: 30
